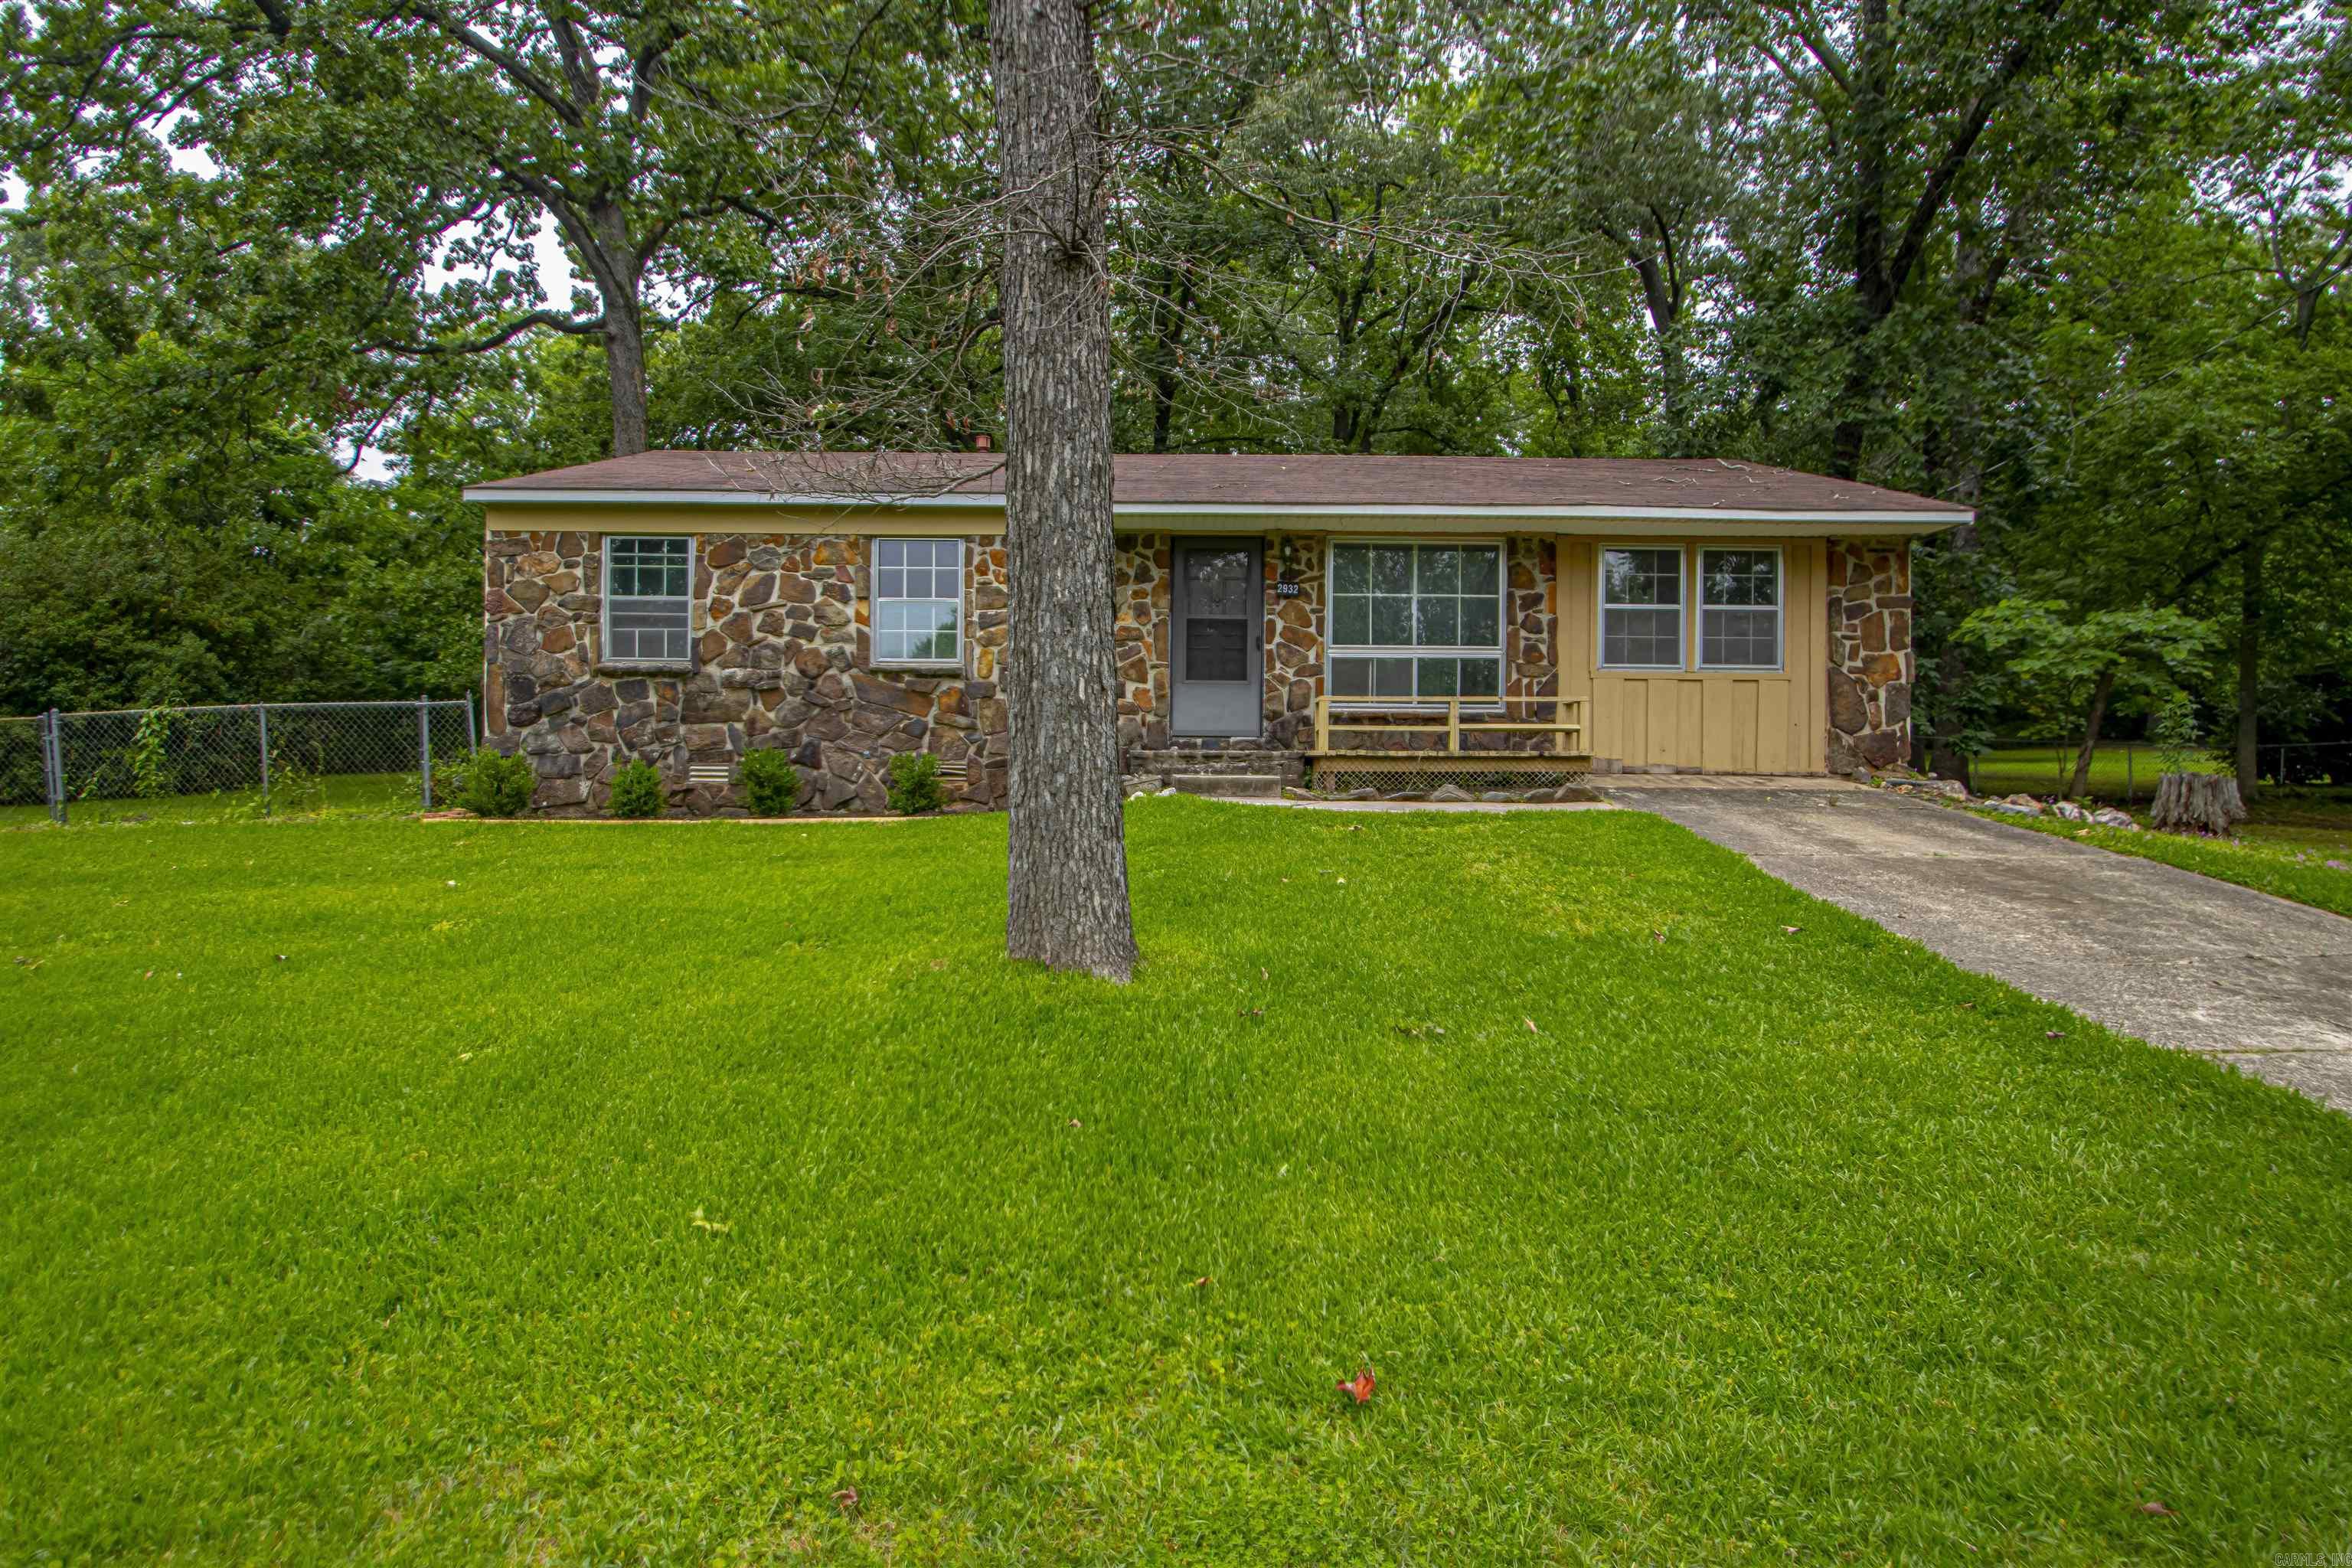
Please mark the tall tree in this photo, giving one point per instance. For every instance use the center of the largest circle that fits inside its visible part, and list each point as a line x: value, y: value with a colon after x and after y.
x: 1606, y: 131
x: 2282, y: 179
x: 1068, y: 900
x: 1879, y: 125
x: 435, y: 135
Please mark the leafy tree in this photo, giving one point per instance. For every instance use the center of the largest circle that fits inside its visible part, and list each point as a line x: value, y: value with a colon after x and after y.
x: 414, y: 135
x: 2067, y: 669
x: 1613, y: 148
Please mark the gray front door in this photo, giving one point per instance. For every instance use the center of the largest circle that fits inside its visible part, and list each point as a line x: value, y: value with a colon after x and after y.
x: 1219, y: 629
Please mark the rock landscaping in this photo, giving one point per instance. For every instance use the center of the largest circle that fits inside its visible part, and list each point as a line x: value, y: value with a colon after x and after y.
x: 1952, y: 792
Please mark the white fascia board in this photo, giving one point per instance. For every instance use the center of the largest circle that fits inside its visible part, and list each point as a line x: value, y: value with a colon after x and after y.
x: 1610, y: 517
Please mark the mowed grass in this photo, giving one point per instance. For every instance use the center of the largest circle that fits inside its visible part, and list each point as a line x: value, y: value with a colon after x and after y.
x: 2285, y: 869
x: 455, y: 1194
x: 2116, y: 775
x: 308, y: 795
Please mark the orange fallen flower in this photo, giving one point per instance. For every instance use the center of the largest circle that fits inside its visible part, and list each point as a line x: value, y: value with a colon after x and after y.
x: 1361, y: 1388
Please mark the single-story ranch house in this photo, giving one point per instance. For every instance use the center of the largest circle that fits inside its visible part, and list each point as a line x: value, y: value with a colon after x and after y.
x: 1390, y: 622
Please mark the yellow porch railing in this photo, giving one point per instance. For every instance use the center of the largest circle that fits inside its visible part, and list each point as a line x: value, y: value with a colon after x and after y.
x: 1418, y: 719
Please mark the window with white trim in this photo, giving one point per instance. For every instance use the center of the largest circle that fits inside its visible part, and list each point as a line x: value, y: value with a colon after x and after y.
x: 1739, y: 609
x: 1641, y: 608
x: 1415, y: 623
x: 648, y: 599
x: 918, y: 588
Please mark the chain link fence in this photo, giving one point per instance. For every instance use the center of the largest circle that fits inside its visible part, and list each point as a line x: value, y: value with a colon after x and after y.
x: 254, y: 759
x: 2126, y: 771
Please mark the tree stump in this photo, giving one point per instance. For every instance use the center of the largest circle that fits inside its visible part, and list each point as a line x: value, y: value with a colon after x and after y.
x: 2197, y: 803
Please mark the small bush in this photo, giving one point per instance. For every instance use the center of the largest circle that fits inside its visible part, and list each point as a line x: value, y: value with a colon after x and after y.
x: 637, y: 791
x: 771, y: 783
x: 914, y: 784
x: 493, y: 785
x: 2175, y: 732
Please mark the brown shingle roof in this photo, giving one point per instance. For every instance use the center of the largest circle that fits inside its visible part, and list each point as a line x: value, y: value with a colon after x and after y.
x: 1207, y: 479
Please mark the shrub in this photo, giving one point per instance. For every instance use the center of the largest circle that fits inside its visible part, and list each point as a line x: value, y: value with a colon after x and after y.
x: 637, y: 791
x: 2174, y: 731
x: 494, y: 785
x: 771, y: 783
x: 914, y: 784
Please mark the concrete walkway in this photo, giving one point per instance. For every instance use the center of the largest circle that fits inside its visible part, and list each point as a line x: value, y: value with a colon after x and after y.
x: 2177, y: 959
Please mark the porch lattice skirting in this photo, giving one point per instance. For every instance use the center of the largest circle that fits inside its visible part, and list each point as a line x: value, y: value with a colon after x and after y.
x: 1513, y: 774
x: 1432, y: 755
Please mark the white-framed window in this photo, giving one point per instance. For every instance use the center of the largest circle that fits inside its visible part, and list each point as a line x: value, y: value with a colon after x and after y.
x: 648, y: 599
x: 918, y: 589
x: 1642, y: 607
x: 1739, y: 608
x: 1415, y: 621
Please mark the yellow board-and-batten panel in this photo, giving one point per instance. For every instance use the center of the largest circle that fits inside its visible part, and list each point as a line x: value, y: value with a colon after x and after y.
x: 1744, y: 720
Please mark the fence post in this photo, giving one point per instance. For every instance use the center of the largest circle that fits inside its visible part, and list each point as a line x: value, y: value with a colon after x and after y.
x: 470, y: 731
x: 425, y: 748
x: 263, y: 710
x: 53, y: 767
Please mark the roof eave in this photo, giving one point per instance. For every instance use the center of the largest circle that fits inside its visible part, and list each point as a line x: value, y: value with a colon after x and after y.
x: 1904, y: 519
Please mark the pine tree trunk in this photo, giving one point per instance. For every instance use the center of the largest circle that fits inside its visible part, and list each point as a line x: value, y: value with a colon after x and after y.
x: 2197, y: 803
x: 1067, y: 903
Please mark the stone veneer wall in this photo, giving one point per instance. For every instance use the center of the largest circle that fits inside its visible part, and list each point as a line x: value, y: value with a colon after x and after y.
x: 1870, y: 667
x: 1532, y: 634
x: 781, y: 660
x: 1294, y: 650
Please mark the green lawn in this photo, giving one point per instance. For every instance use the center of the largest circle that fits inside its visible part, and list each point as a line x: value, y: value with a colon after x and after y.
x: 446, y: 1193
x: 2284, y: 851
x: 2316, y: 823
x: 2116, y: 775
x: 366, y: 794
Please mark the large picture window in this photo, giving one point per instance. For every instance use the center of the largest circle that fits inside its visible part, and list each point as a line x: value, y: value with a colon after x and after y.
x: 919, y: 601
x: 1642, y: 609
x: 1739, y: 609
x: 1415, y: 623
x: 648, y: 599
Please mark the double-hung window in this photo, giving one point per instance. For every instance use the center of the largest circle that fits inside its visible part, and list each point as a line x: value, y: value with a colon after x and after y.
x: 1641, y: 608
x: 648, y: 599
x: 918, y: 602
x: 1415, y: 623
x: 1739, y: 609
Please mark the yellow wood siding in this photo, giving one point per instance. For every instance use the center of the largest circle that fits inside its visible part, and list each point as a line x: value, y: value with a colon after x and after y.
x: 1759, y: 721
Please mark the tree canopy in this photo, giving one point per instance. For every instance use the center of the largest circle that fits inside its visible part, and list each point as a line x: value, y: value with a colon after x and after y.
x: 272, y: 291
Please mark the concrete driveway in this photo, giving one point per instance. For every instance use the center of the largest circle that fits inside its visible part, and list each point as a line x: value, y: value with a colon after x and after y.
x: 2177, y: 959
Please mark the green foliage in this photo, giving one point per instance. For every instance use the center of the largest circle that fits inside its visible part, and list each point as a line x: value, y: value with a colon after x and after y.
x: 637, y: 791
x: 149, y: 756
x: 176, y: 522
x: 2176, y: 732
x: 914, y: 784
x: 2053, y: 662
x: 772, y: 786
x: 2079, y: 270
x: 1167, y: 1215
x: 491, y: 784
